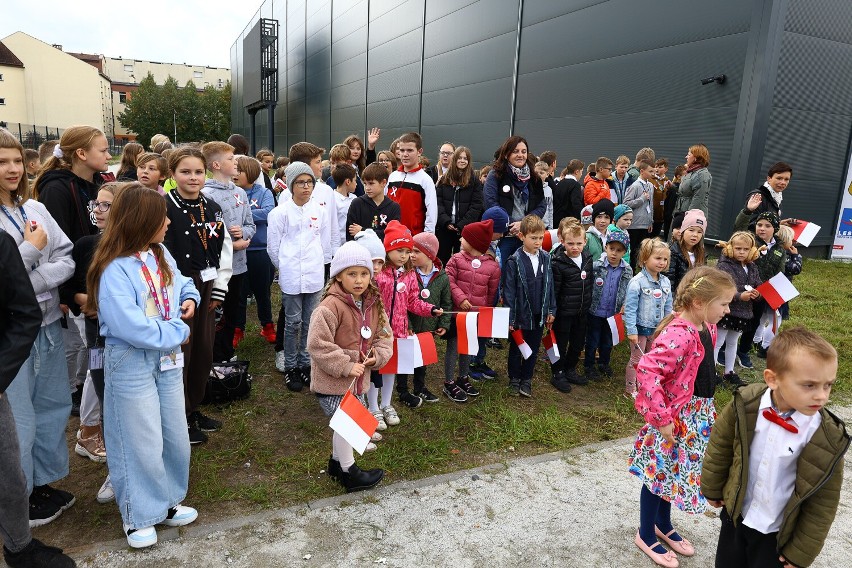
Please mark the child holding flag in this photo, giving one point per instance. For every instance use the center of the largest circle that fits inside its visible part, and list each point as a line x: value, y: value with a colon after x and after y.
x: 347, y: 337
x: 611, y: 277
x: 400, y: 292
x: 528, y: 293
x: 474, y: 278
x: 434, y: 288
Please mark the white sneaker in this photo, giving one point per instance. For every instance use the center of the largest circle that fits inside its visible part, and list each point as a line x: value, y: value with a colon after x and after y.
x: 371, y: 447
x: 380, y: 417
x: 106, y: 492
x: 376, y: 437
x: 279, y: 361
x: 141, y: 538
x: 391, y: 417
x: 179, y: 516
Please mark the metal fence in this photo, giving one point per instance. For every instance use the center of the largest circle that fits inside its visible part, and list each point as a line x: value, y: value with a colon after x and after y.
x: 32, y: 135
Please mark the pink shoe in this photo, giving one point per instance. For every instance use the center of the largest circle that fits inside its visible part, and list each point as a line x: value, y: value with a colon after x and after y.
x: 682, y: 547
x: 667, y: 560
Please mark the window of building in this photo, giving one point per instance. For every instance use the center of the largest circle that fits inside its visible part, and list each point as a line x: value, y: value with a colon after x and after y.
x: 221, y: 83
x: 198, y: 74
x: 2, y: 101
x: 128, y: 67
x: 122, y: 97
x: 1, y: 76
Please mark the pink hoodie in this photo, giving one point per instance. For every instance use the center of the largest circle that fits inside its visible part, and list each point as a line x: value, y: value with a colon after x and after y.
x: 399, y: 302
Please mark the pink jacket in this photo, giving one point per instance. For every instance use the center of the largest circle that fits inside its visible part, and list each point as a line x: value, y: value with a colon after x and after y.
x: 399, y: 303
x: 476, y: 285
x: 666, y: 374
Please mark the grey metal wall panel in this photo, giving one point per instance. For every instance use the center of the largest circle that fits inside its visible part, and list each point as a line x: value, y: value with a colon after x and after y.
x: 350, y: 71
x: 397, y: 114
x: 436, y: 9
x: 448, y: 70
x: 536, y: 12
x: 390, y: 19
x: 348, y: 17
x: 401, y: 50
x: 470, y: 24
x: 467, y: 104
x: 806, y: 85
x: 351, y: 94
x: 347, y: 47
x: 826, y: 19
x: 400, y: 82
x: 482, y: 139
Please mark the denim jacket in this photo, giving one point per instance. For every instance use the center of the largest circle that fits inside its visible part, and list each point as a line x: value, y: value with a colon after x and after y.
x: 647, y: 301
x: 600, y: 276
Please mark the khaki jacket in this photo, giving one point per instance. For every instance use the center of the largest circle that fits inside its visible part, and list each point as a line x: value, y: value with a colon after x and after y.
x: 813, y: 504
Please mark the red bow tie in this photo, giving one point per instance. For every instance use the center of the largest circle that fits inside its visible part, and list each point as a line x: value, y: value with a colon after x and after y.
x: 772, y: 415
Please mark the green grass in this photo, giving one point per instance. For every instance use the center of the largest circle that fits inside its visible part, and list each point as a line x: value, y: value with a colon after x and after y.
x: 275, y: 445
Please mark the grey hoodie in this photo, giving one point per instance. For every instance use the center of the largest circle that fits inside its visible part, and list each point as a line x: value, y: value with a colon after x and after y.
x: 236, y: 211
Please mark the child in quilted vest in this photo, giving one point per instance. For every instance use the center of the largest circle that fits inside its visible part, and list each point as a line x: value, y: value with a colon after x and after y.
x: 474, y: 278
x: 401, y: 295
x: 676, y: 382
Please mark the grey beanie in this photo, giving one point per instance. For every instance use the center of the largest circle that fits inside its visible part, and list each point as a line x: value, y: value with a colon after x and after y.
x: 295, y: 169
x: 350, y: 254
x: 370, y: 241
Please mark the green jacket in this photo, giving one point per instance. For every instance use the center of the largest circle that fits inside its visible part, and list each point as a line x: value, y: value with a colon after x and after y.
x: 819, y: 474
x: 439, y: 295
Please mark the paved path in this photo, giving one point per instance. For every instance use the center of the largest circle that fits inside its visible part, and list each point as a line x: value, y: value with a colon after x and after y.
x: 567, y: 509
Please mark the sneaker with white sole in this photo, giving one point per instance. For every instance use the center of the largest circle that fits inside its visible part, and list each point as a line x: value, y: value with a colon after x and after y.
x: 376, y: 437
x: 380, y: 418
x: 179, y: 516
x: 391, y: 417
x: 141, y: 538
x: 371, y: 447
x: 106, y: 493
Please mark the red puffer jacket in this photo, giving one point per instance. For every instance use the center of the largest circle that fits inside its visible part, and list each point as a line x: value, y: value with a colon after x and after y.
x: 399, y: 300
x: 476, y: 285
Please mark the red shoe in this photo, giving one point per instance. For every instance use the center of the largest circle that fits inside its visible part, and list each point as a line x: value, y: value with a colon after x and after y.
x: 268, y: 332
x: 238, y: 336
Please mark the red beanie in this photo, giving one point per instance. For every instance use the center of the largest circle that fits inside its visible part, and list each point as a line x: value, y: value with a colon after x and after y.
x: 478, y: 235
x: 397, y: 236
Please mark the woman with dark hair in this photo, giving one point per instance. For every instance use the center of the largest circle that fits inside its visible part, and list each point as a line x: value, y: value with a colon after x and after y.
x: 513, y: 186
x: 694, y: 190
x: 459, y: 195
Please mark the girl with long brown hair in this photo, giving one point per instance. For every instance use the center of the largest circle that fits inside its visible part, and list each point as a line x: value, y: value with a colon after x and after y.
x: 142, y: 299
x: 459, y: 195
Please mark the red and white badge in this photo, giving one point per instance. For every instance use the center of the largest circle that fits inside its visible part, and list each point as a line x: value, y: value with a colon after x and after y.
x: 366, y: 332
x: 424, y: 293
x: 583, y: 275
x: 599, y: 281
x: 400, y: 287
x: 657, y: 293
x: 476, y: 263
x: 506, y: 189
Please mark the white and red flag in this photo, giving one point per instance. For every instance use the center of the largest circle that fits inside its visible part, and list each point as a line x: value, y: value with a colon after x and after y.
x: 518, y: 338
x: 549, y: 342
x: 354, y: 422
x: 466, y: 333
x: 616, y: 327
x: 493, y: 322
x: 804, y: 232
x: 777, y: 291
x: 411, y: 352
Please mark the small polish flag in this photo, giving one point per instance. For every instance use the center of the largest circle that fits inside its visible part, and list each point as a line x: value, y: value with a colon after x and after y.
x: 777, y: 291
x: 804, y: 232
x: 468, y: 341
x: 616, y: 327
x: 493, y: 322
x: 518, y: 338
x: 354, y: 422
x: 549, y: 342
x: 411, y: 352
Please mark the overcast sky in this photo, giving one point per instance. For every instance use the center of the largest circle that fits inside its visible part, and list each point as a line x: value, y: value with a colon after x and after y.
x: 169, y: 31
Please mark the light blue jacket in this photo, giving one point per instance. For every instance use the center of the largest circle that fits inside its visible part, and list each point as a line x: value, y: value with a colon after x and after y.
x: 647, y: 301
x: 128, y: 314
x: 261, y: 203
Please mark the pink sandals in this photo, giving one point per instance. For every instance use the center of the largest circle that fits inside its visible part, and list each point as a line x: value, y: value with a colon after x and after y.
x: 682, y: 547
x: 667, y: 560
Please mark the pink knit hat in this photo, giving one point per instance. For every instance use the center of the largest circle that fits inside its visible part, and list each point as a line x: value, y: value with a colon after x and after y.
x: 427, y: 243
x: 694, y: 218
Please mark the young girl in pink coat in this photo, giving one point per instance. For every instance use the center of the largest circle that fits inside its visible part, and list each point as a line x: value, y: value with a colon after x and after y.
x: 398, y: 286
x: 676, y: 382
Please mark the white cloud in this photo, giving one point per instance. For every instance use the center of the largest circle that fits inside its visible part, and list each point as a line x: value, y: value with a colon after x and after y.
x: 171, y: 31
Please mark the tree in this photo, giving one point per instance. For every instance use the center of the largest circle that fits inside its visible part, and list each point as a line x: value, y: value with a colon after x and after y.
x: 198, y: 116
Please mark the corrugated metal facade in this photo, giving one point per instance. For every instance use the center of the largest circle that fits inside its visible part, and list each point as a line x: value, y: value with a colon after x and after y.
x: 581, y: 77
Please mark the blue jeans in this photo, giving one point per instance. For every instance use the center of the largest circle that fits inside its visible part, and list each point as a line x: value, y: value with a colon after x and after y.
x: 520, y: 369
x: 40, y: 397
x: 297, y: 310
x: 598, y: 337
x: 146, y: 434
x: 508, y: 245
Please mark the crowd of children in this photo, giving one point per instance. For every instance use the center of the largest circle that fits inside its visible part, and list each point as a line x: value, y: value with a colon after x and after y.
x: 374, y: 248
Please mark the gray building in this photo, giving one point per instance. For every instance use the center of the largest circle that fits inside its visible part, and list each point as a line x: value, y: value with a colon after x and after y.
x: 582, y: 77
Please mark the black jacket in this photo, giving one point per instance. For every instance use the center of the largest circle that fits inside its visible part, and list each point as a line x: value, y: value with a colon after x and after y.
x: 66, y: 198
x: 567, y: 200
x: 363, y: 211
x: 20, y: 314
x: 572, y: 290
x: 467, y: 200
x: 767, y: 204
x: 182, y: 237
x: 678, y: 266
x: 739, y: 308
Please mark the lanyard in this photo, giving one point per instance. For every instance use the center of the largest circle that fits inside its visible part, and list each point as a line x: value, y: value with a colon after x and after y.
x: 202, y: 234
x: 153, y: 290
x: 12, y: 219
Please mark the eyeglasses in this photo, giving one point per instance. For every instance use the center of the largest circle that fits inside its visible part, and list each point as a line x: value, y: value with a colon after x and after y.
x: 384, y: 161
x: 304, y: 184
x: 446, y: 153
x: 102, y: 206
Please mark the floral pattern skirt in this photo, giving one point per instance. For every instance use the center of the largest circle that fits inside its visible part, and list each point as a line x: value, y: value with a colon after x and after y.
x: 673, y: 472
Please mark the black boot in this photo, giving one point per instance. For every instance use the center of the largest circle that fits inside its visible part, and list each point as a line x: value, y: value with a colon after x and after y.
x: 333, y: 470
x: 38, y: 555
x: 357, y: 479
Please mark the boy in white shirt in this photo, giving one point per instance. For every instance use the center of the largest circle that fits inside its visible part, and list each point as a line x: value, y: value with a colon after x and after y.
x: 345, y: 181
x: 775, y: 459
x: 297, y: 229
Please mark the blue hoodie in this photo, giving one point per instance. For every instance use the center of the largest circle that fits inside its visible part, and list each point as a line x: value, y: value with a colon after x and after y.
x: 261, y: 202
